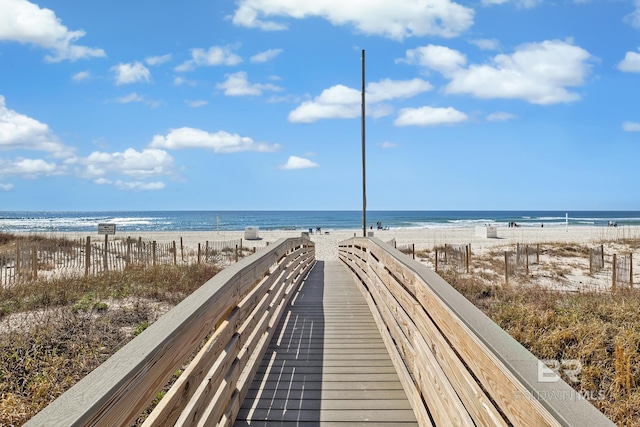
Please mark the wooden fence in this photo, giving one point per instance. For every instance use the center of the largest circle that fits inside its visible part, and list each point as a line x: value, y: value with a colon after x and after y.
x: 454, y: 257
x: 596, y: 259
x: 227, y: 323
x: 29, y: 260
x: 622, y: 270
x: 456, y: 365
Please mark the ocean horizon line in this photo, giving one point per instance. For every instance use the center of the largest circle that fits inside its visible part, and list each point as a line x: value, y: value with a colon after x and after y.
x: 210, y: 220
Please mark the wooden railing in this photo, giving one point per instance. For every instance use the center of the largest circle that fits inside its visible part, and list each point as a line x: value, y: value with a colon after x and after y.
x: 456, y: 365
x: 235, y: 312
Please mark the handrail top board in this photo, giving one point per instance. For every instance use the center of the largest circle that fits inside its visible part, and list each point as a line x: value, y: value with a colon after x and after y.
x: 180, y: 329
x: 564, y: 403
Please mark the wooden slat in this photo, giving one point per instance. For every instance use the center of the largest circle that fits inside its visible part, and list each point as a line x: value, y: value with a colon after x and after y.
x: 321, y: 368
x: 119, y: 389
x: 445, y: 327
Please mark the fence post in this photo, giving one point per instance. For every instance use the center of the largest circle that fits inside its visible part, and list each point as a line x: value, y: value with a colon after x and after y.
x: 34, y: 255
x: 436, y: 249
x: 128, y: 256
x: 16, y: 273
x: 236, y: 253
x: 87, y: 256
x: 413, y: 250
x: 631, y: 270
x: 153, y: 248
x: 506, y: 268
x: 615, y: 268
x: 466, y: 250
x: 105, y: 260
x: 199, y: 252
x: 526, y: 255
x: 591, y: 261
x: 175, y: 255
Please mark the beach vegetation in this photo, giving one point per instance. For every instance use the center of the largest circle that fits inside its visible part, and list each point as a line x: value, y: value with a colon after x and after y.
x: 55, y: 330
x: 558, y: 315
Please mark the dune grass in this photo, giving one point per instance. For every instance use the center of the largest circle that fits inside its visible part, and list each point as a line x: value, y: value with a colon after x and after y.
x: 601, y: 330
x: 54, y: 332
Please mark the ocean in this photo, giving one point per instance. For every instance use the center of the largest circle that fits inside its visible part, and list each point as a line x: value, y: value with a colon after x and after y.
x: 43, y: 222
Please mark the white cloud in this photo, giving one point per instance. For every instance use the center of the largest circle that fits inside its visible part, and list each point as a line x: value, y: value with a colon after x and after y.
x: 527, y: 4
x: 439, y: 58
x: 386, y: 90
x: 429, y: 116
x: 216, y: 55
x: 196, y: 103
x: 295, y: 162
x: 500, y: 116
x: 631, y: 127
x: 219, y: 142
x: 18, y: 131
x: 342, y: 102
x: 179, y: 81
x: 387, y: 144
x: 6, y: 187
x: 539, y: 73
x: 486, y: 44
x: 396, y: 20
x: 25, y: 22
x: 139, y: 185
x: 82, y: 75
x: 31, y: 168
x: 238, y: 85
x: 630, y: 63
x: 149, y: 162
x: 157, y: 60
x: 633, y: 18
x: 131, y: 73
x: 265, y: 56
x: 132, y: 97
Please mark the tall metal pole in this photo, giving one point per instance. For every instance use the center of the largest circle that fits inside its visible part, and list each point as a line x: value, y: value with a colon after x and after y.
x: 364, y: 169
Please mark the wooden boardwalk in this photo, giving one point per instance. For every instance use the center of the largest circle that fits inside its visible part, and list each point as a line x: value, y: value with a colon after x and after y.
x: 327, y: 364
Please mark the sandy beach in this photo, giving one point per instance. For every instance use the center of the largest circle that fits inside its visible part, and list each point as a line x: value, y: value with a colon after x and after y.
x: 423, y: 238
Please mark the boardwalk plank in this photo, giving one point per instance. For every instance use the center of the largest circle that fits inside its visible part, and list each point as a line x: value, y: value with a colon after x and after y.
x: 327, y: 364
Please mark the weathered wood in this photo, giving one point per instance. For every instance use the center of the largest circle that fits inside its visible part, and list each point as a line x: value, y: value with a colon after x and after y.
x: 442, y: 326
x: 118, y: 390
x: 326, y: 362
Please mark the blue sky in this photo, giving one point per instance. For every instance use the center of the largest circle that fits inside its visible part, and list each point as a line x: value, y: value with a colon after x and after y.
x: 255, y: 104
